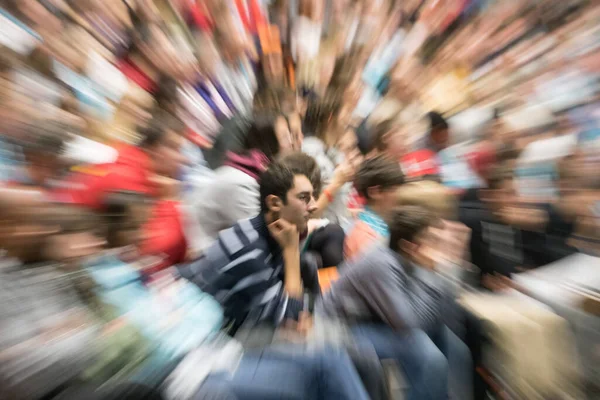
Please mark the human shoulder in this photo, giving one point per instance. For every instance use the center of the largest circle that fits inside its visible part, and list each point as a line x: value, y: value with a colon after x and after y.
x: 377, y: 259
x: 313, y: 146
x: 241, y: 238
x: 231, y: 176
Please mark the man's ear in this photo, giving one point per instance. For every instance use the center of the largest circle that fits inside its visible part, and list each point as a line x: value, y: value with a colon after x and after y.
x: 408, y: 247
x: 373, y: 192
x: 274, y: 203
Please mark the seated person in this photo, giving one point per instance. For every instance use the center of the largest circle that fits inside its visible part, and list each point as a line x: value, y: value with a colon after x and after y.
x: 150, y: 168
x: 253, y: 269
x: 377, y: 181
x: 323, y: 241
x: 184, y: 323
x: 392, y: 296
x: 233, y: 193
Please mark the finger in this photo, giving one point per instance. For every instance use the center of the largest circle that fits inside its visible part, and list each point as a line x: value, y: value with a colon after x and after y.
x: 277, y: 226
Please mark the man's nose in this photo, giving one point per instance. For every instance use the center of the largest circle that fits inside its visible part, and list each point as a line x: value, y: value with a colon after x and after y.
x: 312, y: 206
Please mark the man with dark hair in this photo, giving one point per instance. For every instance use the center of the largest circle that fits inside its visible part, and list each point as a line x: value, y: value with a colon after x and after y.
x: 42, y: 150
x: 386, y: 138
x: 253, y: 269
x: 392, y: 298
x: 158, y: 153
x: 234, y: 130
x: 376, y: 181
x: 438, y: 131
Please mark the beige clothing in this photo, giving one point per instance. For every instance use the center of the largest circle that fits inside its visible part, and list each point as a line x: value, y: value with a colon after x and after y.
x: 532, y: 351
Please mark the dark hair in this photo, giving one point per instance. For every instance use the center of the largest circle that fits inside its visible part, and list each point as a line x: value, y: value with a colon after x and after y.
x: 166, y: 93
x: 155, y: 131
x: 273, y: 99
x: 261, y: 136
x: 277, y: 180
x: 318, y: 115
x: 436, y: 121
x: 378, y: 135
x: 406, y: 222
x: 45, y: 137
x: 498, y: 177
x: 378, y: 171
x: 303, y: 164
x: 71, y: 219
x: 118, y: 208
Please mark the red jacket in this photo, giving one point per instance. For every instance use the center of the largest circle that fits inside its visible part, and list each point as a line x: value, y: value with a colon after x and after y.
x: 132, y: 171
x: 164, y: 235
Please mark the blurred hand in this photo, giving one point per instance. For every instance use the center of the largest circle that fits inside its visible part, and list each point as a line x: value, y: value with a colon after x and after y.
x: 285, y: 234
x: 344, y: 173
x: 297, y: 331
x: 497, y: 283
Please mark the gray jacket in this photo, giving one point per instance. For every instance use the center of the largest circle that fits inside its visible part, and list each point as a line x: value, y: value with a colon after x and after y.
x: 381, y: 286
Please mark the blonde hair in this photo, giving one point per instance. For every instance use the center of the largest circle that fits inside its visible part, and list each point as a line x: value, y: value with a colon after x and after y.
x: 432, y: 196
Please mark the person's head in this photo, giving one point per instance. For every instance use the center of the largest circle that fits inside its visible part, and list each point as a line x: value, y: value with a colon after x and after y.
x: 286, y: 195
x: 482, y: 162
x: 124, y: 215
x: 162, y: 139
x: 387, y: 138
x: 166, y: 94
x: 320, y: 116
x: 43, y: 149
x: 348, y: 142
x: 23, y: 228
x: 438, y: 130
x: 269, y: 100
x: 410, y: 234
x: 377, y: 181
x: 303, y: 164
x: 500, y: 191
x: 432, y: 196
x: 79, y: 234
x: 270, y: 134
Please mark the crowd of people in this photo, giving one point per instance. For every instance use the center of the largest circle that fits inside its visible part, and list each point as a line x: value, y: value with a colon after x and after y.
x: 341, y: 199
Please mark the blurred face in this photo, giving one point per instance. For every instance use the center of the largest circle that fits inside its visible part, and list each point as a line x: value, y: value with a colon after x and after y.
x: 440, y: 138
x: 422, y: 250
x: 132, y: 233
x: 167, y: 155
x: 22, y: 236
x: 43, y: 166
x: 384, y: 199
x: 300, y: 203
x: 71, y: 247
x: 396, y: 145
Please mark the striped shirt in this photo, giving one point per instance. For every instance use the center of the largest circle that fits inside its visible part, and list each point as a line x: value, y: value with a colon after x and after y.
x: 244, y: 271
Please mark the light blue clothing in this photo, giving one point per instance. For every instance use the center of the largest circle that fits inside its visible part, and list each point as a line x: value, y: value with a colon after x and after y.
x: 91, y: 97
x: 176, y: 323
x: 375, y: 222
x: 11, y: 160
x: 455, y: 172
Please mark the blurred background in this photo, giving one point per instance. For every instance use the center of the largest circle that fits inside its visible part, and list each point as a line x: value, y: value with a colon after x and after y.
x: 83, y: 83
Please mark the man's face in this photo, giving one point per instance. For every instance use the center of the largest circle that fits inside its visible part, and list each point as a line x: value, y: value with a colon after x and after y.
x: 440, y: 138
x: 396, y: 144
x: 167, y: 155
x: 300, y: 203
